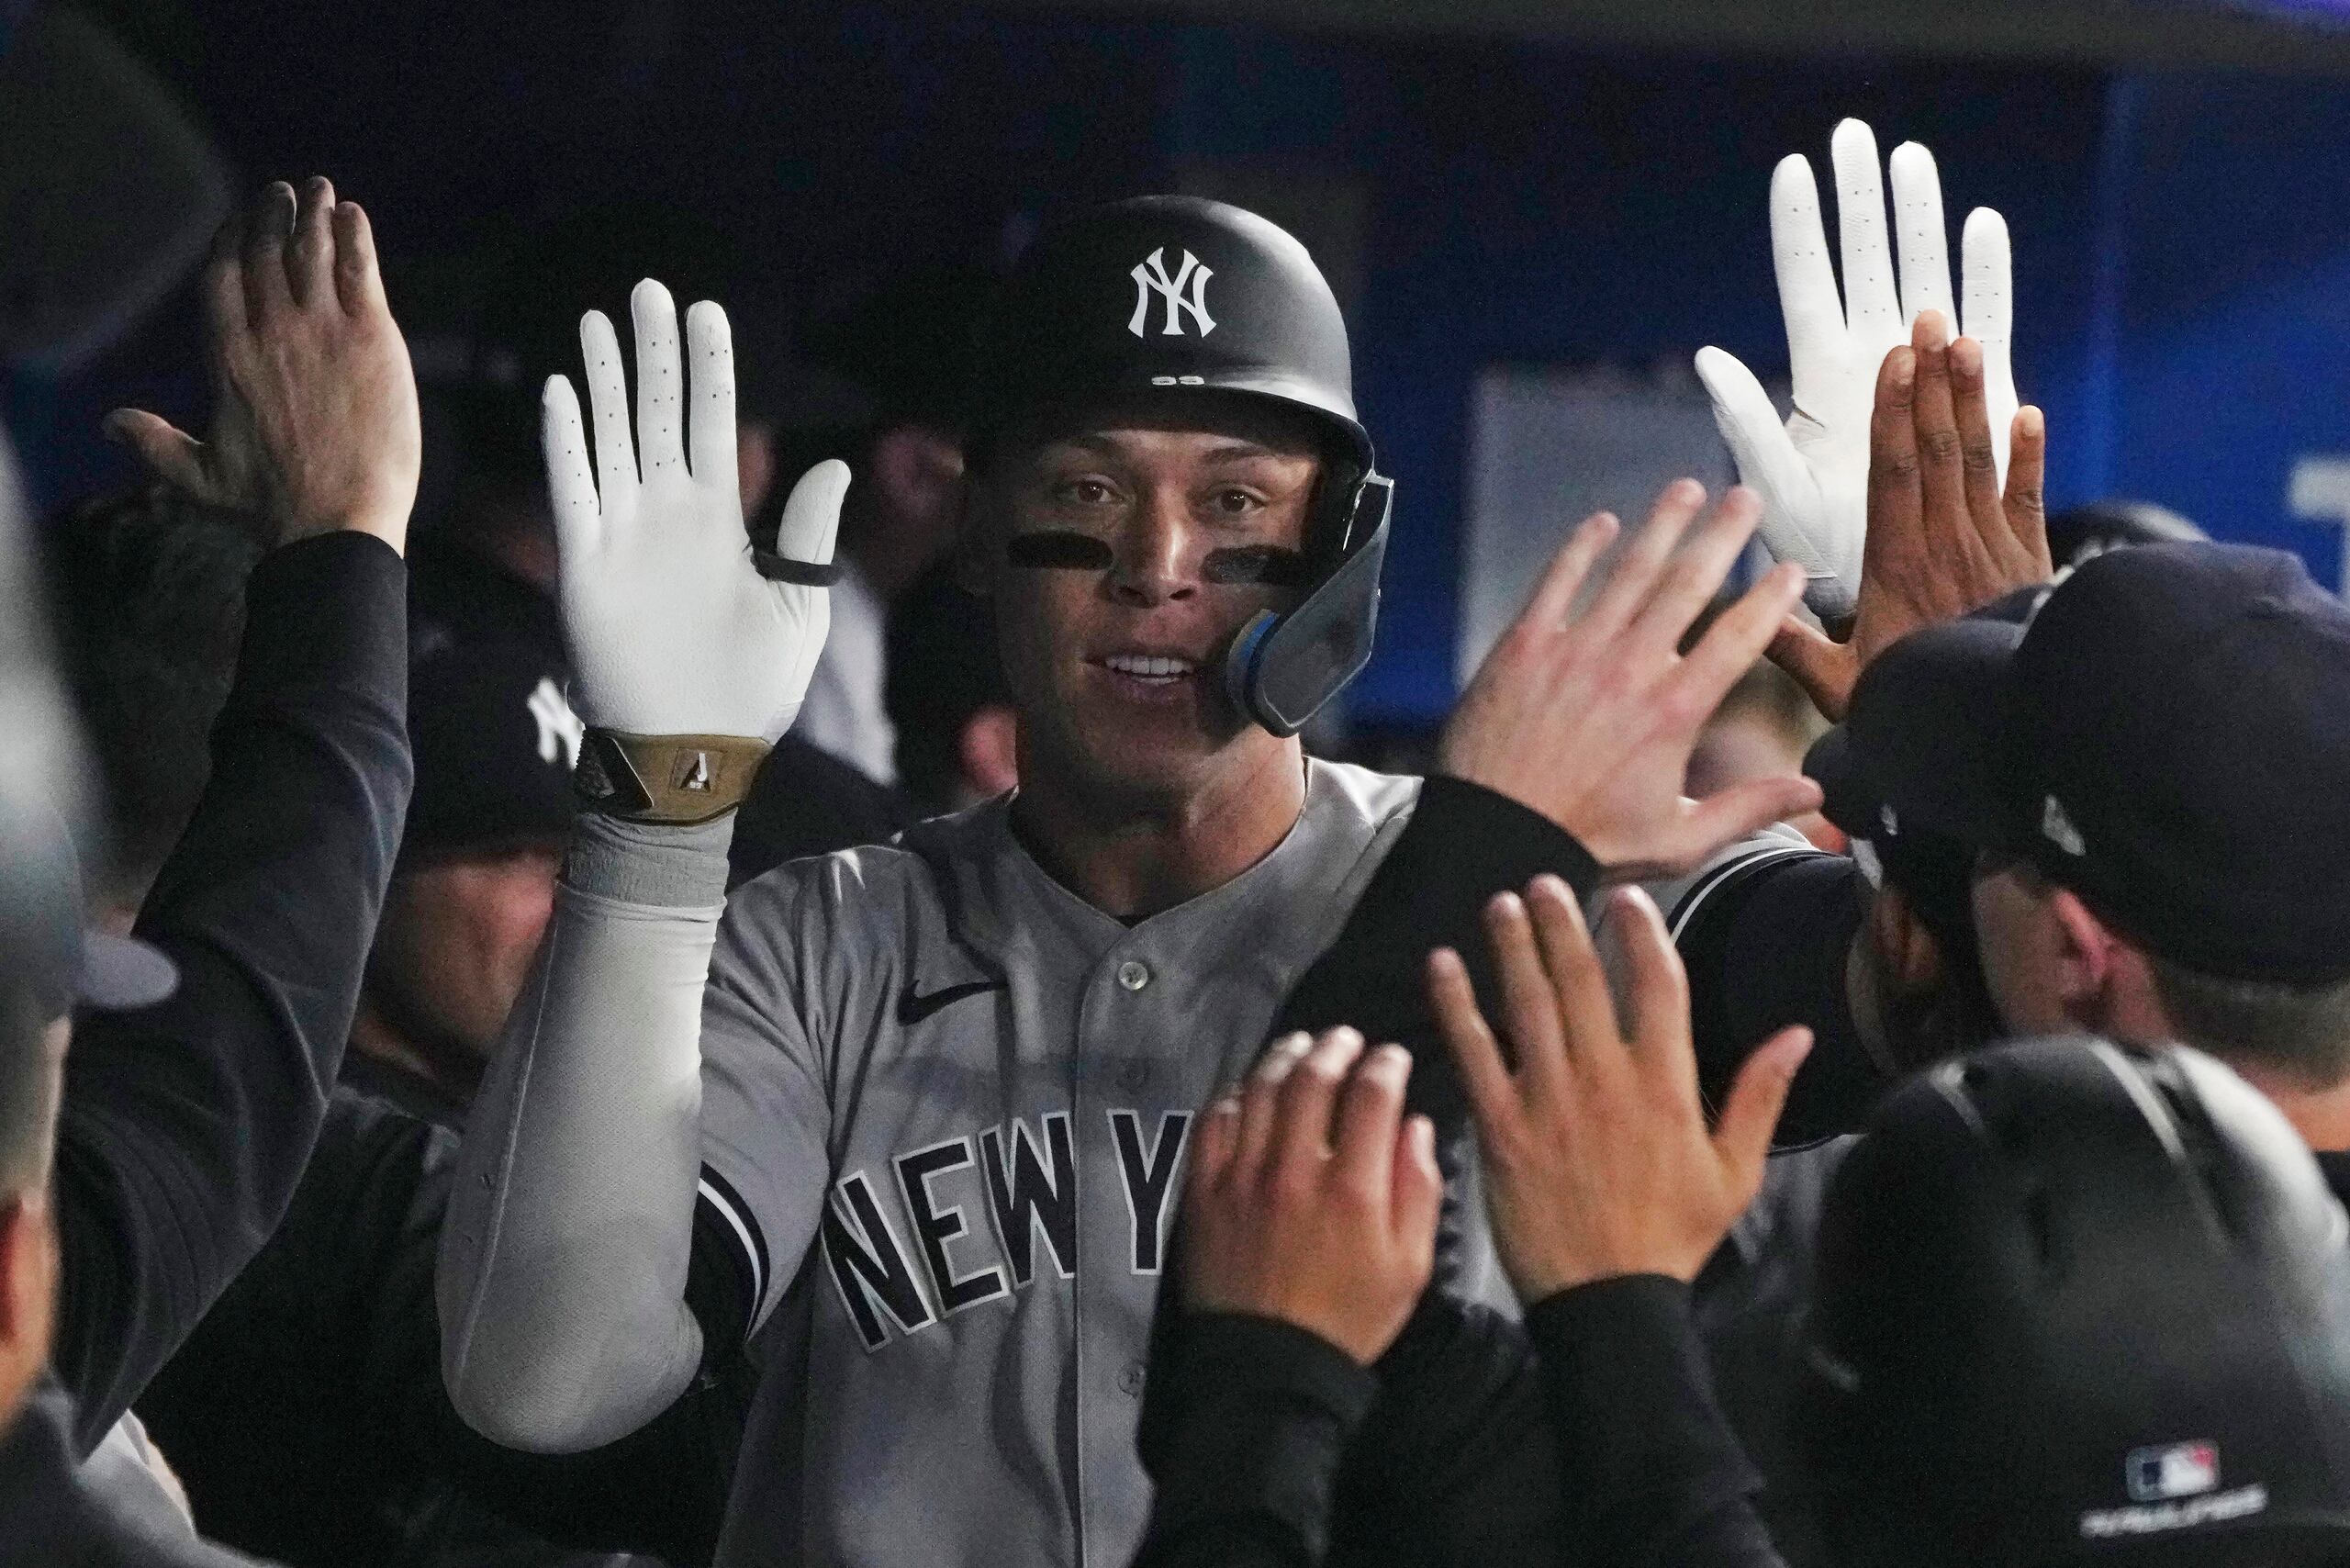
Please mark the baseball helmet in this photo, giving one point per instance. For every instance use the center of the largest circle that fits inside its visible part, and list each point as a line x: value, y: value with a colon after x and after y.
x: 2080, y: 1303
x: 1163, y: 293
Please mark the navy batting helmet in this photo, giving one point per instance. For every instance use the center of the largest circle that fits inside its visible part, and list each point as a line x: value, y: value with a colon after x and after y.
x: 1166, y: 293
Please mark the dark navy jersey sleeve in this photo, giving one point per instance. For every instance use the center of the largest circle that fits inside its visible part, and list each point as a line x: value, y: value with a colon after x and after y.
x: 187, y: 1124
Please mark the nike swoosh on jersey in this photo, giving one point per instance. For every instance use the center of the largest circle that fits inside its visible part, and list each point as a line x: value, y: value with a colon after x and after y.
x: 912, y: 1008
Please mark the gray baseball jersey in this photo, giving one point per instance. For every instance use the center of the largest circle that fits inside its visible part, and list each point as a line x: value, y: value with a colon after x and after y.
x: 944, y: 1110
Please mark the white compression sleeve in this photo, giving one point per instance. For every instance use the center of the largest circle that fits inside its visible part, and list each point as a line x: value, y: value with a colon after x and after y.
x: 562, y: 1270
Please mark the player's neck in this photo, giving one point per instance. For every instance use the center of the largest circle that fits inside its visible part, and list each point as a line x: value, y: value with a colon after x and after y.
x: 1132, y: 858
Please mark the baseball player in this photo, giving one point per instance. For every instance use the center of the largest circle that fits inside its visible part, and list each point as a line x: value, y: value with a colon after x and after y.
x: 909, y: 1120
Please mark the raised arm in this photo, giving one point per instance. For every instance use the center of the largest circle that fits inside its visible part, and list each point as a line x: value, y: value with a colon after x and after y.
x: 565, y: 1264
x: 187, y: 1124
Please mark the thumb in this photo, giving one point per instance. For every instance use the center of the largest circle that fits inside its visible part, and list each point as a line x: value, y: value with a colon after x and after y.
x: 1742, y: 1136
x: 1821, y: 666
x: 812, y: 517
x: 169, y: 453
x: 1722, y: 820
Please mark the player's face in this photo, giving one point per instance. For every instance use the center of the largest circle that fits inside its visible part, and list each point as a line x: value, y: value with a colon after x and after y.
x: 1124, y: 557
x: 455, y: 945
x: 2023, y: 944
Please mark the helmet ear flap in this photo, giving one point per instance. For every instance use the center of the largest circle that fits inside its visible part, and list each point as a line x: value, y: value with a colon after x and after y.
x: 1283, y: 669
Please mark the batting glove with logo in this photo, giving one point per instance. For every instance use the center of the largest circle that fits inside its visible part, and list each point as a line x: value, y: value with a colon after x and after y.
x: 674, y: 628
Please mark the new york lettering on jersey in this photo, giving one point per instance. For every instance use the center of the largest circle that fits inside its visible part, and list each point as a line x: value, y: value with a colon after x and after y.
x: 970, y: 1198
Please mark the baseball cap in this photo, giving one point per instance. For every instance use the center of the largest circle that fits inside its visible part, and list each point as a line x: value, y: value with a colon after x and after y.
x: 46, y: 951
x: 492, y: 733
x: 2081, y: 1302
x: 2165, y: 732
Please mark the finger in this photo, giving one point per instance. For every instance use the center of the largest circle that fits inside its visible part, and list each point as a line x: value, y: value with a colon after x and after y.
x: 599, y: 346
x: 1213, y: 1145
x: 1942, y: 493
x: 358, y: 278
x: 1466, y: 1034
x: 1639, y: 562
x: 1370, y: 1108
x: 1872, y: 306
x: 1808, y: 298
x: 1553, y: 598
x: 709, y: 435
x: 1529, y: 1007
x: 571, y: 489
x: 1978, y: 463
x: 1734, y: 642
x: 224, y: 281
x: 1418, y: 1184
x: 1757, y: 1096
x: 1259, y: 1101
x: 1744, y: 809
x: 1694, y: 577
x: 168, y: 451
x: 266, y: 232
x: 812, y: 517
x: 1578, y: 981
x: 1918, y: 233
x: 1895, y: 500
x: 1986, y: 308
x: 309, y: 254
x: 1309, y: 1096
x: 1658, y: 989
x: 660, y: 382
x: 2025, y: 500
x: 1818, y: 663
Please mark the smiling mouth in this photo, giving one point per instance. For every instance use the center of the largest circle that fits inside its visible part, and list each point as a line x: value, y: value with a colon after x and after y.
x: 1151, y: 669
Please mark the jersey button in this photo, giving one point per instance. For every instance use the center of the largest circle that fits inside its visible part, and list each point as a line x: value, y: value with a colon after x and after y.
x: 1130, y: 1380
x: 1134, y: 975
x: 1133, y: 1075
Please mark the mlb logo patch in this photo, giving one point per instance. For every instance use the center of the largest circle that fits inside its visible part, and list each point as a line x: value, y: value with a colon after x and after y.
x: 2174, y: 1470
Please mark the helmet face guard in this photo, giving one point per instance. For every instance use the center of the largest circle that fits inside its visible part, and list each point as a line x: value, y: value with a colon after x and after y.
x: 1284, y: 666
x: 1170, y: 295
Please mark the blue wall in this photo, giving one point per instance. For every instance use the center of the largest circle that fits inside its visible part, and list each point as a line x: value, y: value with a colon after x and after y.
x: 2182, y: 246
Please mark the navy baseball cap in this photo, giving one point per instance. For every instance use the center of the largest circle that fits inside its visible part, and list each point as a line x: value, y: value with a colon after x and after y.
x: 2165, y: 732
x: 492, y: 733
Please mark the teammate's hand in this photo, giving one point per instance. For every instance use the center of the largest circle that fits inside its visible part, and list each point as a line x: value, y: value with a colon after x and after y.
x: 1589, y: 718
x: 1595, y: 1157
x: 315, y: 428
x: 1312, y: 1198
x: 1813, y: 471
x: 674, y: 630
x: 1943, y: 537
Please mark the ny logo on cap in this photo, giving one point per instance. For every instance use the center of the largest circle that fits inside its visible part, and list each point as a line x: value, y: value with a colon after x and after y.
x: 1150, y: 277
x: 559, y: 727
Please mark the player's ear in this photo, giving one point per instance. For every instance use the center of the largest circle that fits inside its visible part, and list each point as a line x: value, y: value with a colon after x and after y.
x: 2086, y: 952
x: 1907, y: 949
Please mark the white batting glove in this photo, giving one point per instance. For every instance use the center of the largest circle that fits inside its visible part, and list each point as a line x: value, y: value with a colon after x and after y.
x: 673, y: 629
x: 1812, y: 473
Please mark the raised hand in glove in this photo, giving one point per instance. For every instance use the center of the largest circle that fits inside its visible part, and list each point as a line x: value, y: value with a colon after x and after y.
x: 1812, y: 471
x: 674, y: 628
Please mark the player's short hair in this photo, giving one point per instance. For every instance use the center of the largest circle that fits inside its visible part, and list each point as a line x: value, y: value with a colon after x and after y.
x: 148, y: 593
x: 2301, y: 1030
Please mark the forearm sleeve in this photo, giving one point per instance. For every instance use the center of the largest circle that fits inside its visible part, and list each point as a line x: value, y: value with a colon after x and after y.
x: 563, y: 1268
x: 1652, y: 1472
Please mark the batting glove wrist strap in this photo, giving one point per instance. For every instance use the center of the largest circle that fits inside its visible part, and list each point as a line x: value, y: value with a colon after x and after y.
x: 677, y: 780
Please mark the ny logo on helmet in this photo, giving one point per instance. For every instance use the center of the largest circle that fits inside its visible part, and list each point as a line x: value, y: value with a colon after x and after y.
x: 1150, y: 277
